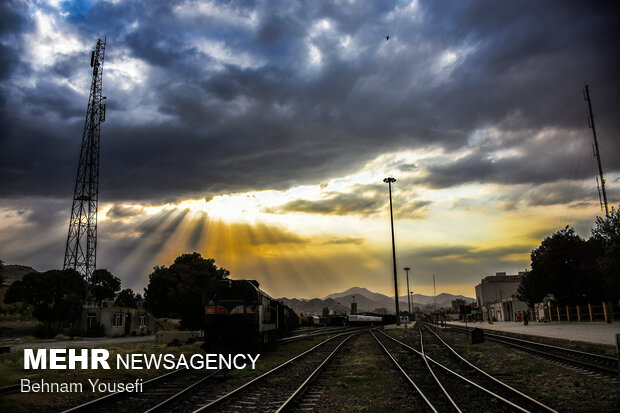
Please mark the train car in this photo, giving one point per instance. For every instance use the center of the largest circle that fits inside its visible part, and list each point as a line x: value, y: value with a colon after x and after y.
x: 336, y: 320
x: 359, y: 320
x: 239, y: 316
x: 287, y: 318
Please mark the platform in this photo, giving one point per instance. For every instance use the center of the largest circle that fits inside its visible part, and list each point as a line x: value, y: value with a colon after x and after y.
x: 403, y: 326
x: 80, y: 343
x: 588, y: 332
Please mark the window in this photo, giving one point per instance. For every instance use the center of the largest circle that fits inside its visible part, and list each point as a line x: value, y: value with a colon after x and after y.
x: 91, y: 319
x: 117, y: 320
x: 142, y: 321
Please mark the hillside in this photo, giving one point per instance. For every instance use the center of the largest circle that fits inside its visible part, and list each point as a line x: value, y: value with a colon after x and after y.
x: 367, y: 301
x: 314, y: 306
x: 13, y: 272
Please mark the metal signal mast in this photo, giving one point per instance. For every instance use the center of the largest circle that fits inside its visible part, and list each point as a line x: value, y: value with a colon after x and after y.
x: 81, y: 249
x: 597, y: 154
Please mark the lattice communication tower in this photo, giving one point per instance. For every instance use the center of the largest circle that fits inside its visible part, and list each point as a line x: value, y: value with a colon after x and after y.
x: 81, y: 249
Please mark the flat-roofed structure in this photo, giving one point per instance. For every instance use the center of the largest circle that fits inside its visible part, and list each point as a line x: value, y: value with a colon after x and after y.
x: 495, y: 288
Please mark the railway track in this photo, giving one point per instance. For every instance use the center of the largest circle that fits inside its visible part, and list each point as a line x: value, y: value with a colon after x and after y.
x: 180, y: 390
x: 196, y: 390
x: 278, y: 389
x: 14, y: 388
x: 593, y: 363
x: 457, y: 385
x: 307, y: 333
x: 451, y: 358
x: 158, y: 393
x: 418, y: 387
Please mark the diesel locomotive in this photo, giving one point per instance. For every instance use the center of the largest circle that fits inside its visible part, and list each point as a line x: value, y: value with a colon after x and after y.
x: 240, y: 316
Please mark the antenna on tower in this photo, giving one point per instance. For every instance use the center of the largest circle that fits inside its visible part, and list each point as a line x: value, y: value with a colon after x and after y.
x: 597, y: 154
x: 598, y: 188
x: 81, y: 248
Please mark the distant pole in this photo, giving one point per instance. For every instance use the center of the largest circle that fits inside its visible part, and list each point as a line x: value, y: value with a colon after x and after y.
x: 435, y: 300
x: 389, y: 181
x: 408, y: 297
x: 435, y: 291
x: 597, y: 154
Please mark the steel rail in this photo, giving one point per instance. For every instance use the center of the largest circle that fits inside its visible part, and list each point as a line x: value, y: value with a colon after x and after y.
x: 317, y: 333
x: 228, y: 395
x: 417, y: 389
x: 497, y: 396
x: 527, y: 345
x: 13, y: 388
x: 569, y: 350
x: 88, y: 405
x: 539, y: 404
x: 174, y: 397
x: 425, y: 357
x: 316, y: 371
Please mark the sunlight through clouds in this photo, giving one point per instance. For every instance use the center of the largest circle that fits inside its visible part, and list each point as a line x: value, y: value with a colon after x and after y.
x: 247, y: 236
x: 259, y: 134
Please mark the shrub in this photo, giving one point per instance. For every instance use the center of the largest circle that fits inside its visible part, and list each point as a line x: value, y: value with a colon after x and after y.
x: 45, y: 330
x: 95, y: 330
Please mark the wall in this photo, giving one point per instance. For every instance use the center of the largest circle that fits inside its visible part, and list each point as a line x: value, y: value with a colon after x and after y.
x: 129, y: 322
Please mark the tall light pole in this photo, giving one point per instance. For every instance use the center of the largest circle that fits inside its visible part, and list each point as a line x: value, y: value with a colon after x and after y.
x: 389, y: 182
x: 408, y: 292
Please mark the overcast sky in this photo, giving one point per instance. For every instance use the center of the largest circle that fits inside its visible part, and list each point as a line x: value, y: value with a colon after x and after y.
x: 258, y: 133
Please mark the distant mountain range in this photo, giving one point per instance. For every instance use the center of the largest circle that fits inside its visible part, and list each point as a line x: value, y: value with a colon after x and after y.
x: 367, y: 301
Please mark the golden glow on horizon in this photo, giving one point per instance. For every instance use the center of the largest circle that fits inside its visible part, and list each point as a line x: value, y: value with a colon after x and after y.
x: 302, y: 254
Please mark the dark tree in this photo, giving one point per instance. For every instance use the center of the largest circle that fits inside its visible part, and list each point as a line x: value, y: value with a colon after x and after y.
x: 104, y: 285
x: 177, y: 291
x: 1, y: 272
x: 607, y: 230
x: 606, y: 241
x: 127, y: 298
x: 563, y: 265
x: 56, y: 295
x: 160, y: 293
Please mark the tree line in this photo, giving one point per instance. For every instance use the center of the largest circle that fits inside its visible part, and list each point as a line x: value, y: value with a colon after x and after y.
x: 58, y: 296
x: 572, y: 269
x: 575, y: 270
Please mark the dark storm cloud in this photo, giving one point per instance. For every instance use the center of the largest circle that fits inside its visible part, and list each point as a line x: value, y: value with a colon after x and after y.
x: 337, y: 204
x: 34, y: 231
x: 412, y: 209
x: 469, y: 253
x: 363, y: 200
x: 251, y: 112
x: 561, y: 193
x: 344, y: 241
x: 120, y: 212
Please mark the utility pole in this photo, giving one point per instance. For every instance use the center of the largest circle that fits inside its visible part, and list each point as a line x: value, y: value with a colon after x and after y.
x: 389, y: 181
x: 408, y: 294
x: 81, y: 247
x: 597, y: 154
x: 435, y: 294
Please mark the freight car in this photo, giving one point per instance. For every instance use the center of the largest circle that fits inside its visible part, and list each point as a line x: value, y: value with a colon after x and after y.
x: 239, y: 316
x: 359, y: 320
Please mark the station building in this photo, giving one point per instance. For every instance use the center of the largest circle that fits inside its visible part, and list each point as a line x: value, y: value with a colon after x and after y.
x: 119, y: 321
x: 496, y: 296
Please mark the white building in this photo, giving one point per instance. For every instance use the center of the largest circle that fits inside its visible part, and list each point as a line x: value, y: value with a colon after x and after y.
x: 497, y: 296
x: 495, y: 288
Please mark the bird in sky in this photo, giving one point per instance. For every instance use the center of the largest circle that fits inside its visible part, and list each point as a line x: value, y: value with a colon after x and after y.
x: 387, y: 38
